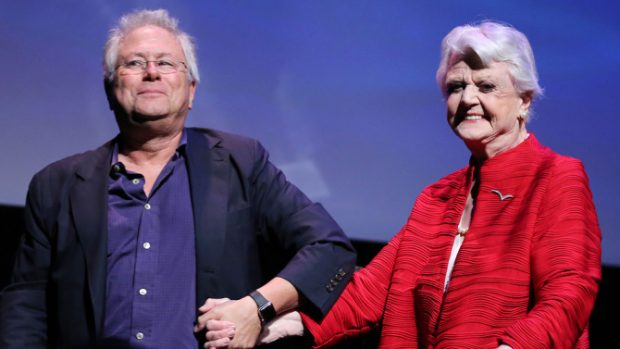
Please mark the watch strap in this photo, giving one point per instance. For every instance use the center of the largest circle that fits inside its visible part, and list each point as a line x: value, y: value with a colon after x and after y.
x: 266, y: 311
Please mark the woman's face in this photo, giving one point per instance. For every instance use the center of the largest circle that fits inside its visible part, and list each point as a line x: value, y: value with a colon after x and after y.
x: 484, y: 107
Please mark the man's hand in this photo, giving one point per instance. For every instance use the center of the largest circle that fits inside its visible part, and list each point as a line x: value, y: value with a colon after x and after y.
x: 220, y: 333
x: 241, y: 317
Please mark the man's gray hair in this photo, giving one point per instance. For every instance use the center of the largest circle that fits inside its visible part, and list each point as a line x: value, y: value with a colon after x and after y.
x: 491, y: 42
x: 137, y: 19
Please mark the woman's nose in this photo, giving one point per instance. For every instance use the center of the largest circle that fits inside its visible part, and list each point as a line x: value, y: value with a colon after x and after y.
x: 470, y: 95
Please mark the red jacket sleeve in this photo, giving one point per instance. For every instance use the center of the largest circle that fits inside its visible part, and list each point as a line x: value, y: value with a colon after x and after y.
x: 360, y: 307
x: 565, y: 265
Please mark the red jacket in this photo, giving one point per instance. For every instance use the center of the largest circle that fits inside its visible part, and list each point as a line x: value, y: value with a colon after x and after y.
x: 526, y: 275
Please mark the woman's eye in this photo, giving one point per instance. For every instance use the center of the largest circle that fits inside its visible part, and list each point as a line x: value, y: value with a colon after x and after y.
x: 486, y: 87
x: 455, y: 87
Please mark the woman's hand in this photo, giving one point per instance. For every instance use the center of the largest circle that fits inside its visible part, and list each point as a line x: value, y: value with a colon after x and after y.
x: 288, y: 324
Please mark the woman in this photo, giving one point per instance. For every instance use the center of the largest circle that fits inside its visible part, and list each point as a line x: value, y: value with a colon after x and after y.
x: 502, y: 253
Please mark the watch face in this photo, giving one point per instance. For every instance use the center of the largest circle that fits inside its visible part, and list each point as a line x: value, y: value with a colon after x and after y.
x: 261, y: 318
x: 266, y: 311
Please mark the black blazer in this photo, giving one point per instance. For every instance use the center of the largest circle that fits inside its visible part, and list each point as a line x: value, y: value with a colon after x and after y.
x: 250, y: 225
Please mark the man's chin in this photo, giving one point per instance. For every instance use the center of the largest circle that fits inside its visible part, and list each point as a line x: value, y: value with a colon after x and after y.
x: 143, y: 118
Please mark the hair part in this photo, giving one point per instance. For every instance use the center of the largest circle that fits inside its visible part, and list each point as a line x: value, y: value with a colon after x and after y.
x: 491, y: 42
x: 141, y: 18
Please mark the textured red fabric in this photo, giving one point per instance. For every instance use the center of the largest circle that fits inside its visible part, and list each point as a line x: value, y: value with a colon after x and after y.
x: 526, y: 275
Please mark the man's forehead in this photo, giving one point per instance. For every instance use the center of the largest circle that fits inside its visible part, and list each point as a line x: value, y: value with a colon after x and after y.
x: 150, y: 40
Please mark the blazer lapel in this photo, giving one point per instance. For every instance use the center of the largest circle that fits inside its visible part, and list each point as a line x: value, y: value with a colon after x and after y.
x: 208, y: 168
x: 88, y: 201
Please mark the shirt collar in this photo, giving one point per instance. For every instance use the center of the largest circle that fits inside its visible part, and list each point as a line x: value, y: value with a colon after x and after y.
x: 117, y: 166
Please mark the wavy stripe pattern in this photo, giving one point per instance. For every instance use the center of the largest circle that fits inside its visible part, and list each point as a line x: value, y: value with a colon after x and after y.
x: 526, y: 275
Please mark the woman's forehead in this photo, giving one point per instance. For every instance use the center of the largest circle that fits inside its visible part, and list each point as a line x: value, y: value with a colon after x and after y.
x: 493, y: 70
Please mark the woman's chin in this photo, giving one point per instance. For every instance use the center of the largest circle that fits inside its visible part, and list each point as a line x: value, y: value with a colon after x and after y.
x: 471, y: 135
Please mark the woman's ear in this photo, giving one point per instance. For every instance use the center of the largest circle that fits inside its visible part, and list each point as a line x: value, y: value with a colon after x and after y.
x: 526, y: 101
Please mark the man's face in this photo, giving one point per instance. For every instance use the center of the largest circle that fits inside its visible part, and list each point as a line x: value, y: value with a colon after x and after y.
x: 150, y: 96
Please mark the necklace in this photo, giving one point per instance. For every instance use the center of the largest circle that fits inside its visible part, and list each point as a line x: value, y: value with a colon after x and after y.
x: 461, y: 231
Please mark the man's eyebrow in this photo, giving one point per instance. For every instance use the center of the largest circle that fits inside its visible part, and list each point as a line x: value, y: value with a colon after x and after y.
x: 145, y: 55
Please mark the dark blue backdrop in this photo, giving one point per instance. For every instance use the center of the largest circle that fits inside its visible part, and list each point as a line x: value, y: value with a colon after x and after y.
x: 341, y: 92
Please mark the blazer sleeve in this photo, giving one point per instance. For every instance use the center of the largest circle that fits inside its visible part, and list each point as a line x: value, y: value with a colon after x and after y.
x: 23, y: 319
x: 565, y: 265
x: 361, y: 306
x: 323, y: 259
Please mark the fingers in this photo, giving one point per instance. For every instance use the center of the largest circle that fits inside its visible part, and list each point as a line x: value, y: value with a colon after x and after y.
x: 201, y: 323
x: 217, y: 325
x: 242, y: 313
x: 219, y: 334
x: 207, y: 313
x: 212, y: 303
x: 218, y: 343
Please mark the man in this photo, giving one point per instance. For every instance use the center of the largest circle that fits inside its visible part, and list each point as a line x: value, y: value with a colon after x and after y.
x: 124, y: 243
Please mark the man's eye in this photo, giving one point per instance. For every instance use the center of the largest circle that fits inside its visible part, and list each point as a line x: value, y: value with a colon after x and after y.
x: 165, y: 64
x: 135, y: 63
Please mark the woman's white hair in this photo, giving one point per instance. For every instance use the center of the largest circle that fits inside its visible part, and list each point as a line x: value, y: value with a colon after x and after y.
x: 491, y: 42
x: 137, y: 19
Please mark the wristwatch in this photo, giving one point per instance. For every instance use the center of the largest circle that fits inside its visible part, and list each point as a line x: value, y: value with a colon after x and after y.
x: 266, y: 311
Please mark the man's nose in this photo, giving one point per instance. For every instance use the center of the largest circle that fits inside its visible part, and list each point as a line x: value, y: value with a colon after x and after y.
x: 151, y: 70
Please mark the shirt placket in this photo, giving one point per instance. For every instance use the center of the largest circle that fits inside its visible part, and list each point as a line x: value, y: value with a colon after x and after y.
x: 145, y: 276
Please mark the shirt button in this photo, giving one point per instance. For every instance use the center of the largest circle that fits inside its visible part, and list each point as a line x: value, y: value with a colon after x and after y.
x: 146, y: 245
x: 116, y: 167
x: 135, y: 181
x: 147, y: 206
x: 139, y: 336
x: 142, y: 292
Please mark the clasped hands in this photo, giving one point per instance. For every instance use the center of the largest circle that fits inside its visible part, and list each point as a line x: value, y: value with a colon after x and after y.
x: 235, y: 324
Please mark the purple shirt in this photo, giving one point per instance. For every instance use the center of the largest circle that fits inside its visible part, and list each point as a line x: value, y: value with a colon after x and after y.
x: 150, y: 293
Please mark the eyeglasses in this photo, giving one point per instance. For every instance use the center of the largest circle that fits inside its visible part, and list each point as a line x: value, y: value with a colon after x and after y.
x: 138, y: 66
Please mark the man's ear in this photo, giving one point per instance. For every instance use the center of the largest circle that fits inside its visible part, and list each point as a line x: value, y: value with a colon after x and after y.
x: 108, y: 86
x: 192, y: 93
